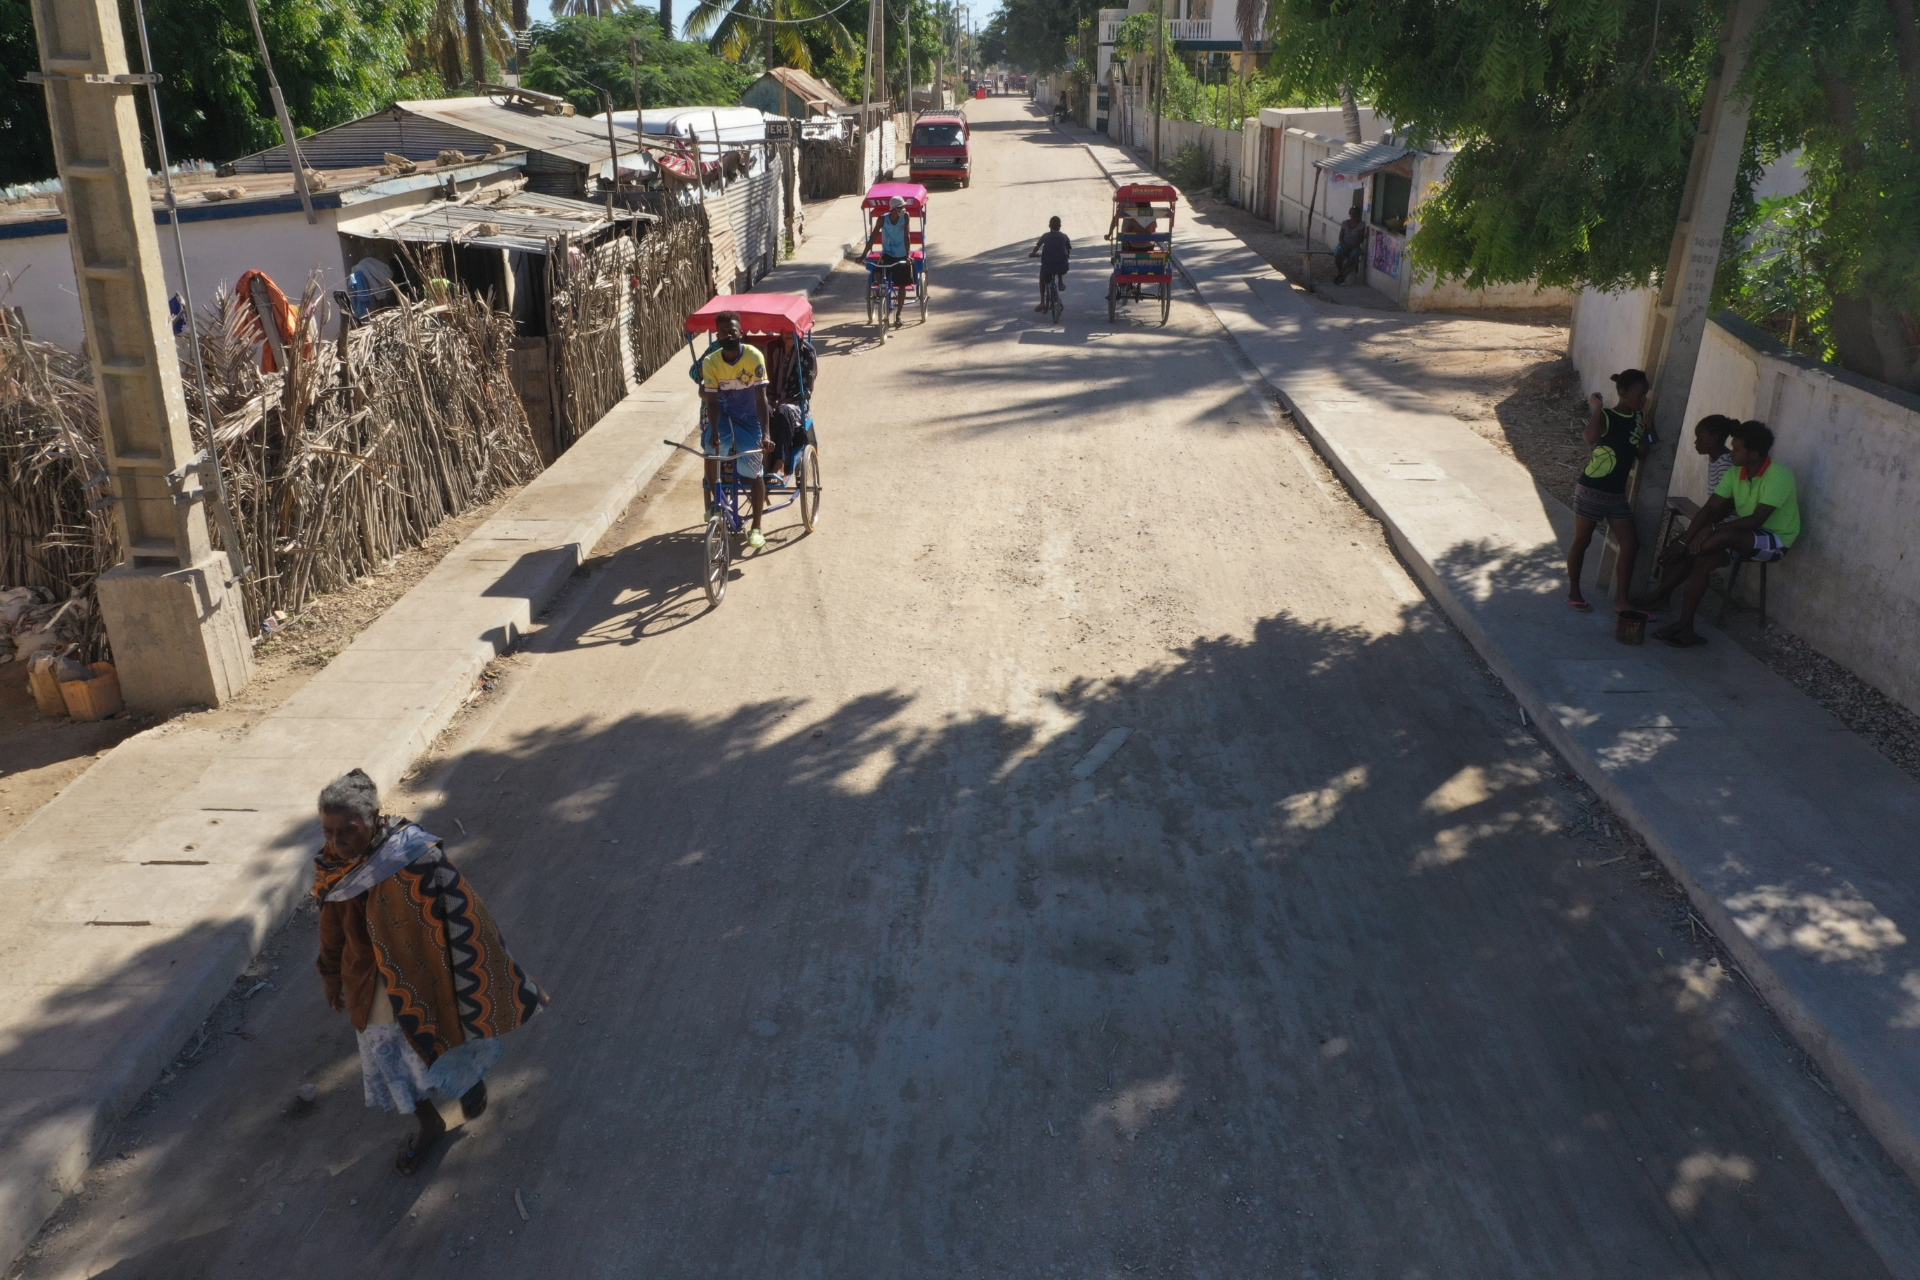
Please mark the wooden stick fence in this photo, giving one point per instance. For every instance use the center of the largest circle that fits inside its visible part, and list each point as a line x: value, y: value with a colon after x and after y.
x: 349, y: 457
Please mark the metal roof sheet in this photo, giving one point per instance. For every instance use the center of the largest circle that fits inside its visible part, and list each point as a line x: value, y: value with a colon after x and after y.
x: 513, y: 125
x: 526, y: 220
x: 1360, y: 159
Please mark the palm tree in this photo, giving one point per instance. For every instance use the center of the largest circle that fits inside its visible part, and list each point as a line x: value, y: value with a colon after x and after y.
x: 589, y: 8
x: 732, y: 29
x: 464, y: 32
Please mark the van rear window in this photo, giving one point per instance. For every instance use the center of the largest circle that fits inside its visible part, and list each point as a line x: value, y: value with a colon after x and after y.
x: 938, y: 135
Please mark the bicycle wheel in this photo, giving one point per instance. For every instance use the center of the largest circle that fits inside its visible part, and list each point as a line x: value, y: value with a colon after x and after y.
x: 1166, y: 300
x: 1054, y: 305
x: 870, y: 292
x: 717, y: 558
x: 1113, y: 303
x: 806, y: 478
x: 922, y: 291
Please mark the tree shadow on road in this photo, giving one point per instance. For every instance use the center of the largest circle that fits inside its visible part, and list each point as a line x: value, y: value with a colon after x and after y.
x: 1301, y: 977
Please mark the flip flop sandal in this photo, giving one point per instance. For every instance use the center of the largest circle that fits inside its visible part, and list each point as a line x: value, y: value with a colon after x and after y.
x: 1579, y: 606
x: 412, y: 1156
x: 1684, y: 641
x: 473, y: 1103
x: 1666, y: 632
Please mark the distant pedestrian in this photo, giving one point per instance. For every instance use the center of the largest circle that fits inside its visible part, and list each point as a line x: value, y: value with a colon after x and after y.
x: 1616, y: 437
x: 410, y: 953
x: 1351, y: 247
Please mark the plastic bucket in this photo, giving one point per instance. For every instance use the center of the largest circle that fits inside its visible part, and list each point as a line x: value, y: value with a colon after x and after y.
x: 1630, y: 626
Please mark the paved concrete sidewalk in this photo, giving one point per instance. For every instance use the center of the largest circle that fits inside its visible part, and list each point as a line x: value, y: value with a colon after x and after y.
x: 137, y: 896
x: 1793, y: 838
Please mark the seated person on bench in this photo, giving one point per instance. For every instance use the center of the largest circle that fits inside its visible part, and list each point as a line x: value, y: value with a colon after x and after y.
x: 1759, y: 495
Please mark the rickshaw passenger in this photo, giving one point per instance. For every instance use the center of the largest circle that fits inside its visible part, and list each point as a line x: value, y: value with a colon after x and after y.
x: 1139, y: 221
x: 791, y: 368
x: 733, y: 382
x: 896, y: 253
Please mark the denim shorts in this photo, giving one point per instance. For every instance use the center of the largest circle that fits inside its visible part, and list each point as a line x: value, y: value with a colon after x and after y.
x: 730, y: 436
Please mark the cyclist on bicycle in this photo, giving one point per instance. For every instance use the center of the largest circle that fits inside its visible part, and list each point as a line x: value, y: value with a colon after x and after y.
x: 1054, y: 251
x: 733, y: 382
x: 896, y: 255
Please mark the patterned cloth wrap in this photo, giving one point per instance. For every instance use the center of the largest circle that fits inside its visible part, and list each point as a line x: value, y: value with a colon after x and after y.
x: 448, y: 974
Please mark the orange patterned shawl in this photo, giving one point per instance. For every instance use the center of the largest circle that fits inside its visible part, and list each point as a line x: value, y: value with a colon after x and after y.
x: 446, y: 966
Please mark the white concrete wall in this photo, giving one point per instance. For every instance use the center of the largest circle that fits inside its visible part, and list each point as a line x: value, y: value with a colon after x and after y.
x: 1610, y: 333
x: 1851, y: 585
x: 1420, y: 293
x: 280, y: 244
x: 218, y: 251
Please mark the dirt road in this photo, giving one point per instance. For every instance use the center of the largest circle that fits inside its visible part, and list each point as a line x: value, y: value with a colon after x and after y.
x: 869, y: 960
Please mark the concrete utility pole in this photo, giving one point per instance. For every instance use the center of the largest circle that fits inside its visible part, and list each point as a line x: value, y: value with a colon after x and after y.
x: 178, y: 631
x: 1159, y: 73
x: 1680, y: 319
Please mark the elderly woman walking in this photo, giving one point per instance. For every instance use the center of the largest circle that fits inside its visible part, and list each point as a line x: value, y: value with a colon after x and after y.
x: 410, y: 953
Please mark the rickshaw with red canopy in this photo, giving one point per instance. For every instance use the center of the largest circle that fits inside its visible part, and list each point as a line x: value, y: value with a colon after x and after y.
x: 880, y: 288
x: 762, y: 315
x: 1142, y: 260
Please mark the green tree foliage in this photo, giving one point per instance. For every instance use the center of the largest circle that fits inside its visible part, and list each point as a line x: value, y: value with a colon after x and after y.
x: 773, y: 31
x: 576, y: 57
x: 1574, y: 121
x: 1776, y: 275
x: 1840, y: 79
x: 28, y: 153
x: 336, y: 60
x: 1042, y: 35
x: 993, y: 40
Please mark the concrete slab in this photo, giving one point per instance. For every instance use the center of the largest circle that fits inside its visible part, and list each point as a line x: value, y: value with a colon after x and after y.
x: 1791, y: 836
x: 90, y: 1013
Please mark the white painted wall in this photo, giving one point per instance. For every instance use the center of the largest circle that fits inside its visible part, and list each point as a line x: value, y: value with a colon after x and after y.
x: 280, y: 244
x: 1851, y: 585
x: 1610, y: 333
x: 218, y: 251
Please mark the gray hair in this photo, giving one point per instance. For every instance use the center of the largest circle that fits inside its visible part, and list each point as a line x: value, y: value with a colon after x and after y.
x: 353, y: 793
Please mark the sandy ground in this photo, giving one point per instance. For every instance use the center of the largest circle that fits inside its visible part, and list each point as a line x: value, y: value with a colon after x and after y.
x: 869, y: 958
x: 1504, y: 373
x: 40, y: 756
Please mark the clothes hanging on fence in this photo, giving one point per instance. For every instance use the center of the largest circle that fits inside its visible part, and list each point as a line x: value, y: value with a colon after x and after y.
x: 277, y: 312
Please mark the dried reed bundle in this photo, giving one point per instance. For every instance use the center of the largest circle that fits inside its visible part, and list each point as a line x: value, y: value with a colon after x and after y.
x: 54, y: 533
x: 364, y: 445
x: 351, y: 456
x: 673, y: 273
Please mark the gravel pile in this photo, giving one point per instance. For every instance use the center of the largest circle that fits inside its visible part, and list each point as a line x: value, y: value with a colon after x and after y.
x: 1893, y: 730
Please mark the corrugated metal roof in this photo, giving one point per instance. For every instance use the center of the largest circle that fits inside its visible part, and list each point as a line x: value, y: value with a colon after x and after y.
x: 1360, y: 159
x: 525, y: 221
x: 422, y: 128
x: 515, y: 126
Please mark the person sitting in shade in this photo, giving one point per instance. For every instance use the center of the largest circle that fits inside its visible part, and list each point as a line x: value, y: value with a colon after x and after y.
x: 1754, y: 514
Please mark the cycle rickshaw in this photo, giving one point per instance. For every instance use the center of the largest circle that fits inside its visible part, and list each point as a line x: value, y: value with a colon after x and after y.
x: 729, y: 498
x: 879, y: 287
x: 1143, y: 260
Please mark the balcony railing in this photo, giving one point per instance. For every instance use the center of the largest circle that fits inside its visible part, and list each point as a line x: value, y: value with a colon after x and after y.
x: 1185, y: 30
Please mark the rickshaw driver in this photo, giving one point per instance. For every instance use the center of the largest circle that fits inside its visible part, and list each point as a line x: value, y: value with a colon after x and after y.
x: 896, y: 250
x: 733, y: 379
